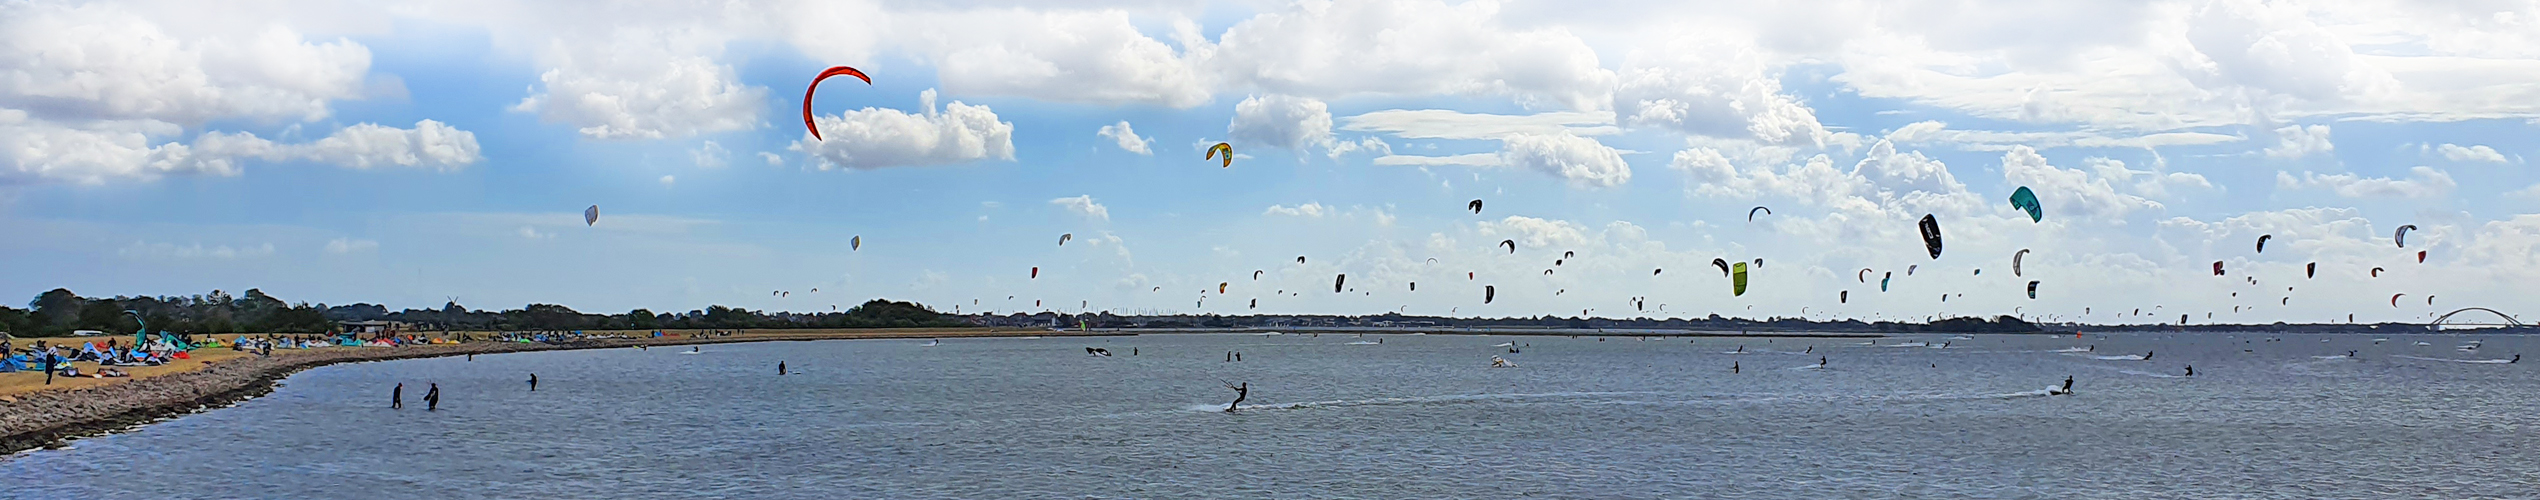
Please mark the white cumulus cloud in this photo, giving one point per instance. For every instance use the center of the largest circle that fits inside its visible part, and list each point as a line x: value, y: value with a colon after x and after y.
x: 1083, y: 205
x: 1281, y: 121
x: 2422, y: 182
x: 2296, y: 142
x: 642, y: 84
x: 1582, y: 160
x: 1127, y: 138
x: 872, y: 138
x: 2473, y: 153
x: 1308, y: 210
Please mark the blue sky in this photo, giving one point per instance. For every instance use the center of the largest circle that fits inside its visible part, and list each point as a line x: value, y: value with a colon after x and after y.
x: 408, y: 153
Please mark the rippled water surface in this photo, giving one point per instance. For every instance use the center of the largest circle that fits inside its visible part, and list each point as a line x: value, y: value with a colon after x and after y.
x: 1336, y: 417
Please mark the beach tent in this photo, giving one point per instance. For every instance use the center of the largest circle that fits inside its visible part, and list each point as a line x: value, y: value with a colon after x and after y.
x: 13, y: 363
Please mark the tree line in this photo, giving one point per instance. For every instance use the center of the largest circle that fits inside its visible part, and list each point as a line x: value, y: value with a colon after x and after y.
x: 60, y: 312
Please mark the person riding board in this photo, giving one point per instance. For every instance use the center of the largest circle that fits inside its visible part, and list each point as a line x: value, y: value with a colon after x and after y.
x: 1241, y: 392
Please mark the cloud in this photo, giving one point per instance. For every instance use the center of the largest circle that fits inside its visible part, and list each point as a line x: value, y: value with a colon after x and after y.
x: 1582, y: 160
x: 1084, y: 205
x: 2296, y: 142
x: 44, y: 152
x: 711, y: 155
x: 1936, y: 132
x: 341, y: 246
x: 1466, y: 160
x: 1308, y: 210
x: 2422, y: 182
x: 873, y: 138
x: 1531, y: 232
x: 2071, y: 192
x: 1712, y: 87
x: 642, y: 83
x: 142, y: 250
x: 1449, y: 124
x: 1281, y: 121
x: 1127, y: 139
x: 84, y: 63
x: 1406, y: 47
x: 1065, y: 56
x: 2476, y: 153
x: 669, y: 180
x: 771, y: 158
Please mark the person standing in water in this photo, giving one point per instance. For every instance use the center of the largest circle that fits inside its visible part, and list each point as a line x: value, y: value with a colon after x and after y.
x: 397, y: 397
x: 2191, y: 371
x: 432, y: 398
x: 533, y: 382
x: 1733, y: 367
x: 1241, y: 391
x: 780, y: 368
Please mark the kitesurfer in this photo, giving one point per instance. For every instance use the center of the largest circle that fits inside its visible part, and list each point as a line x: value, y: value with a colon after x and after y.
x: 2147, y: 355
x: 780, y: 368
x: 1733, y: 368
x: 533, y: 381
x: 2068, y: 384
x: 1241, y: 391
x: 397, y: 397
x: 1821, y: 361
x: 432, y: 398
x: 2191, y: 371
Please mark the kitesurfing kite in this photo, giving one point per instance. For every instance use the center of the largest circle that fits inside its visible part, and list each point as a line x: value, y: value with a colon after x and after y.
x: 1036, y: 272
x: 591, y: 216
x: 2218, y: 270
x: 1723, y: 264
x: 1750, y: 213
x: 1228, y: 160
x: 1489, y: 292
x: 1336, y: 282
x: 2311, y: 270
x: 1062, y: 238
x: 2401, y: 236
x: 855, y: 243
x: 1476, y: 206
x: 1931, y: 235
x: 2032, y: 289
x: 2026, y: 201
x: 1511, y: 244
x: 2262, y: 242
x: 815, y: 87
x: 2015, y: 261
x: 1737, y: 284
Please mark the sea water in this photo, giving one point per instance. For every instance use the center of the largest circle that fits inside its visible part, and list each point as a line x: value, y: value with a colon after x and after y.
x: 2266, y: 415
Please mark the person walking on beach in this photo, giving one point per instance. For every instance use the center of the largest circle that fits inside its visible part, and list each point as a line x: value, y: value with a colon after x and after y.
x: 780, y: 368
x: 533, y: 382
x: 432, y: 398
x: 397, y: 397
x: 1241, y: 391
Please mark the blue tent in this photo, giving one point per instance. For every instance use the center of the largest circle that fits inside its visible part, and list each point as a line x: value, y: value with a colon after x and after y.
x: 12, y: 363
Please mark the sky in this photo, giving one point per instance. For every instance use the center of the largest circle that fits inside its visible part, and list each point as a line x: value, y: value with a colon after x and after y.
x: 413, y: 153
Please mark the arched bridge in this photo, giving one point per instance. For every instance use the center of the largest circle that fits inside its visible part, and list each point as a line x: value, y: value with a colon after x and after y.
x: 2507, y: 320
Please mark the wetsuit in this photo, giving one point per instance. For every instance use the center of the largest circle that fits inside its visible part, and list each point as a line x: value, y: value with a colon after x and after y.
x: 2191, y: 371
x: 1241, y: 391
x: 533, y: 382
x: 397, y: 397
x: 780, y: 368
x: 2068, y: 385
x: 432, y: 398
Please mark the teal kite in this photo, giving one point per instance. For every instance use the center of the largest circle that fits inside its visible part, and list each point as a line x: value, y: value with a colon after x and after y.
x: 2026, y: 200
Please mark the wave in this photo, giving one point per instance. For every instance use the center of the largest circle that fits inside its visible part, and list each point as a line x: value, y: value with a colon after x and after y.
x: 1504, y: 344
x: 2332, y: 356
x: 2072, y: 349
x: 2120, y: 357
x: 1363, y: 342
x: 1416, y: 400
x: 2497, y: 361
x: 1909, y: 344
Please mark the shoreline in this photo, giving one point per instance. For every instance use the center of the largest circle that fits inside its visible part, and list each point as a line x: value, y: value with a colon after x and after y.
x: 51, y: 418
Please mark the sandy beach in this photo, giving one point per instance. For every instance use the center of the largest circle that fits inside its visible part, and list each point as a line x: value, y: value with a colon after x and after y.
x: 35, y: 415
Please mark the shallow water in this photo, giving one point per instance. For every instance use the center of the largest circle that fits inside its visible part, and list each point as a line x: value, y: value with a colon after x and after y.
x: 1414, y: 417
